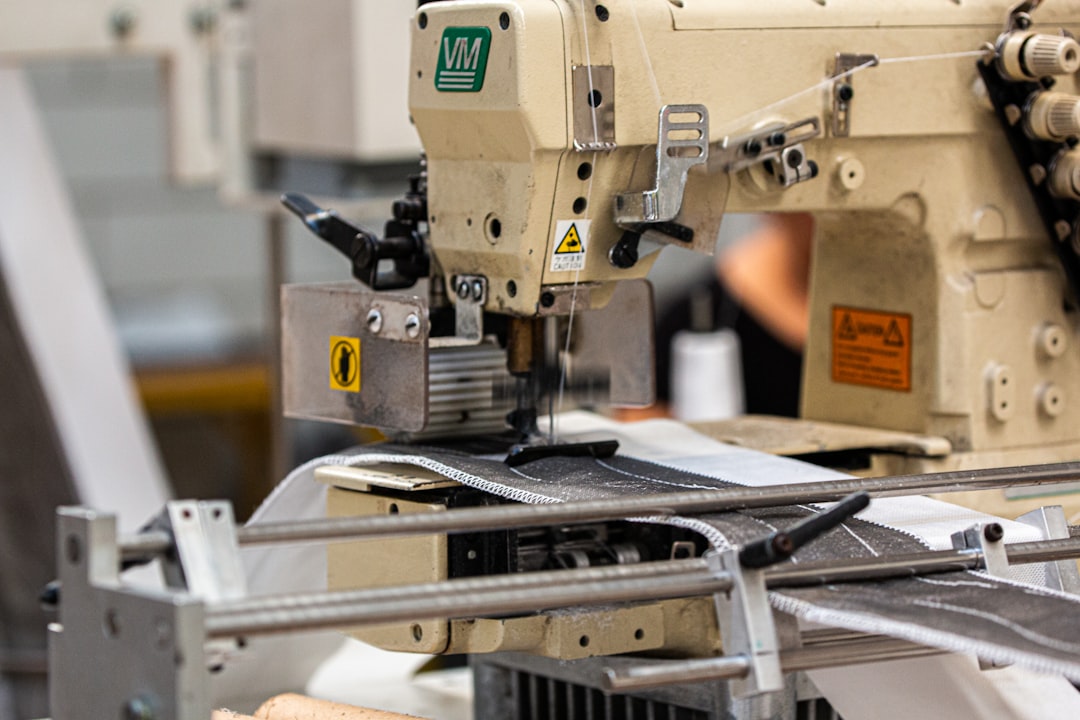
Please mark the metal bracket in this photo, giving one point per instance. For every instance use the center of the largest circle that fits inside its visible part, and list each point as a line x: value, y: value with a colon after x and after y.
x: 1019, y: 17
x: 120, y: 651
x: 207, y: 562
x: 1050, y: 520
x: 594, y: 107
x: 681, y: 145
x: 471, y: 294
x: 986, y: 538
x: 778, y: 144
x: 843, y: 91
x: 747, y: 626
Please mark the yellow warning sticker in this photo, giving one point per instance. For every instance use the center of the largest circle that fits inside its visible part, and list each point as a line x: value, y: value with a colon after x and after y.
x: 571, y: 239
x: 871, y: 348
x: 344, y: 363
x: 570, y: 243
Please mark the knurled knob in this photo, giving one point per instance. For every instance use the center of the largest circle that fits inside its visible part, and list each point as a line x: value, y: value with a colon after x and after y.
x: 1051, y: 55
x: 1065, y: 175
x: 1029, y: 55
x: 1054, y: 116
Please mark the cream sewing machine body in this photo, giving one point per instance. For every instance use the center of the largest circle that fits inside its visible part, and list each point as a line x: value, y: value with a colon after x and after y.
x: 922, y: 215
x: 939, y: 334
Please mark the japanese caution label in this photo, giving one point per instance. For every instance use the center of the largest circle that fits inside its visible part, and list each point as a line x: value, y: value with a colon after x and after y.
x: 344, y: 363
x: 571, y: 239
x: 871, y: 348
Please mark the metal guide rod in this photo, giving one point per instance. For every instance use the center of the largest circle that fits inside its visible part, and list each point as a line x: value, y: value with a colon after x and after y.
x: 648, y: 676
x: 726, y: 499
x: 529, y: 592
x: 441, y: 600
x: 696, y: 567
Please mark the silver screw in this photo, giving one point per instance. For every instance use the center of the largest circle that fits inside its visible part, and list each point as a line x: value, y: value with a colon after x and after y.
x: 374, y: 322
x: 412, y: 325
x: 463, y: 290
x: 478, y: 290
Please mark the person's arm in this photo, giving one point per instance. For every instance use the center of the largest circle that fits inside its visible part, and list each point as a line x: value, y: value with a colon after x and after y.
x: 768, y: 272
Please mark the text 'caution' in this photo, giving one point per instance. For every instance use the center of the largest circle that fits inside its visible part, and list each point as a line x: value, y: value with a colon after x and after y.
x: 871, y: 348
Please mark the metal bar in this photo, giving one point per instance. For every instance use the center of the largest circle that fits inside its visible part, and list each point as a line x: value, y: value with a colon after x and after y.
x: 879, y: 568
x: 697, y: 568
x: 529, y: 592
x: 862, y: 650
x: 1043, y: 550
x: 712, y: 501
x: 443, y: 600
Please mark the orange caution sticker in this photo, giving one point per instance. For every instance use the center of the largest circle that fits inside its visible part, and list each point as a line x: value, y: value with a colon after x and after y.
x: 871, y: 348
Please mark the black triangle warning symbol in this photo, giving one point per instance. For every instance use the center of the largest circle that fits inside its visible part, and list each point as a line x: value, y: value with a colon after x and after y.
x: 847, y: 329
x: 893, y: 336
x: 570, y: 243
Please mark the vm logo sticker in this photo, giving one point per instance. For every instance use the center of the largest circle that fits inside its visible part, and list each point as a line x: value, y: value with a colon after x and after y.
x: 463, y: 54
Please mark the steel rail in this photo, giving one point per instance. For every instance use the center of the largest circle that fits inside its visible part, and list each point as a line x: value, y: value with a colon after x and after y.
x: 696, y: 502
x: 530, y: 592
x: 650, y: 675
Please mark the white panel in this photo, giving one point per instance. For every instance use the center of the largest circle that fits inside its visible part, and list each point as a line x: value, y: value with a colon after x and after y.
x: 64, y: 319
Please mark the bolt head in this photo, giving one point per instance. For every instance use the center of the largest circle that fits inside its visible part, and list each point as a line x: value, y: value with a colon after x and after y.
x: 463, y: 290
x: 374, y: 321
x: 844, y: 92
x: 477, y: 290
x: 412, y: 325
x: 993, y: 532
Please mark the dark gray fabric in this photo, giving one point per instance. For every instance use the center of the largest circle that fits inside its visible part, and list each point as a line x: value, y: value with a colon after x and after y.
x: 961, y: 611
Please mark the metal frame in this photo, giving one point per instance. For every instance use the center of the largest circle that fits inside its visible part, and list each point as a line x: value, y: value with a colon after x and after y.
x: 159, y: 646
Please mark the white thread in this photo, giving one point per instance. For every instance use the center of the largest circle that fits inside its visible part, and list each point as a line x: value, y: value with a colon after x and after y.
x: 1020, y: 630
x: 689, y: 486
x: 956, y: 583
x: 741, y: 122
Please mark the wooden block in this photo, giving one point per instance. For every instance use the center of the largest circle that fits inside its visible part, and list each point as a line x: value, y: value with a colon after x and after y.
x: 298, y: 707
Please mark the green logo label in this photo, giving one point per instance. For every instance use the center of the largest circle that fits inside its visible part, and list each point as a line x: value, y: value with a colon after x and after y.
x: 463, y: 55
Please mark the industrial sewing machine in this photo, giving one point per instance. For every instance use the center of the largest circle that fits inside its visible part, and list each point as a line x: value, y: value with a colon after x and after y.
x: 565, y: 143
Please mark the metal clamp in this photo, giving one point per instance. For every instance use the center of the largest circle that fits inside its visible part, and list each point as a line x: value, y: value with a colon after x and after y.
x: 681, y: 145
x: 747, y: 626
x: 777, y: 144
x: 986, y: 538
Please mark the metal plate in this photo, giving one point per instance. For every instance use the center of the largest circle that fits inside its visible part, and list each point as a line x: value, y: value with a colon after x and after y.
x: 619, y: 337
x: 594, y: 107
x: 393, y: 392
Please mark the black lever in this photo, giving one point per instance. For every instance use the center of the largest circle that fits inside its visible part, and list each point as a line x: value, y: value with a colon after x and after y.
x: 403, y: 245
x: 624, y: 253
x: 782, y: 544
